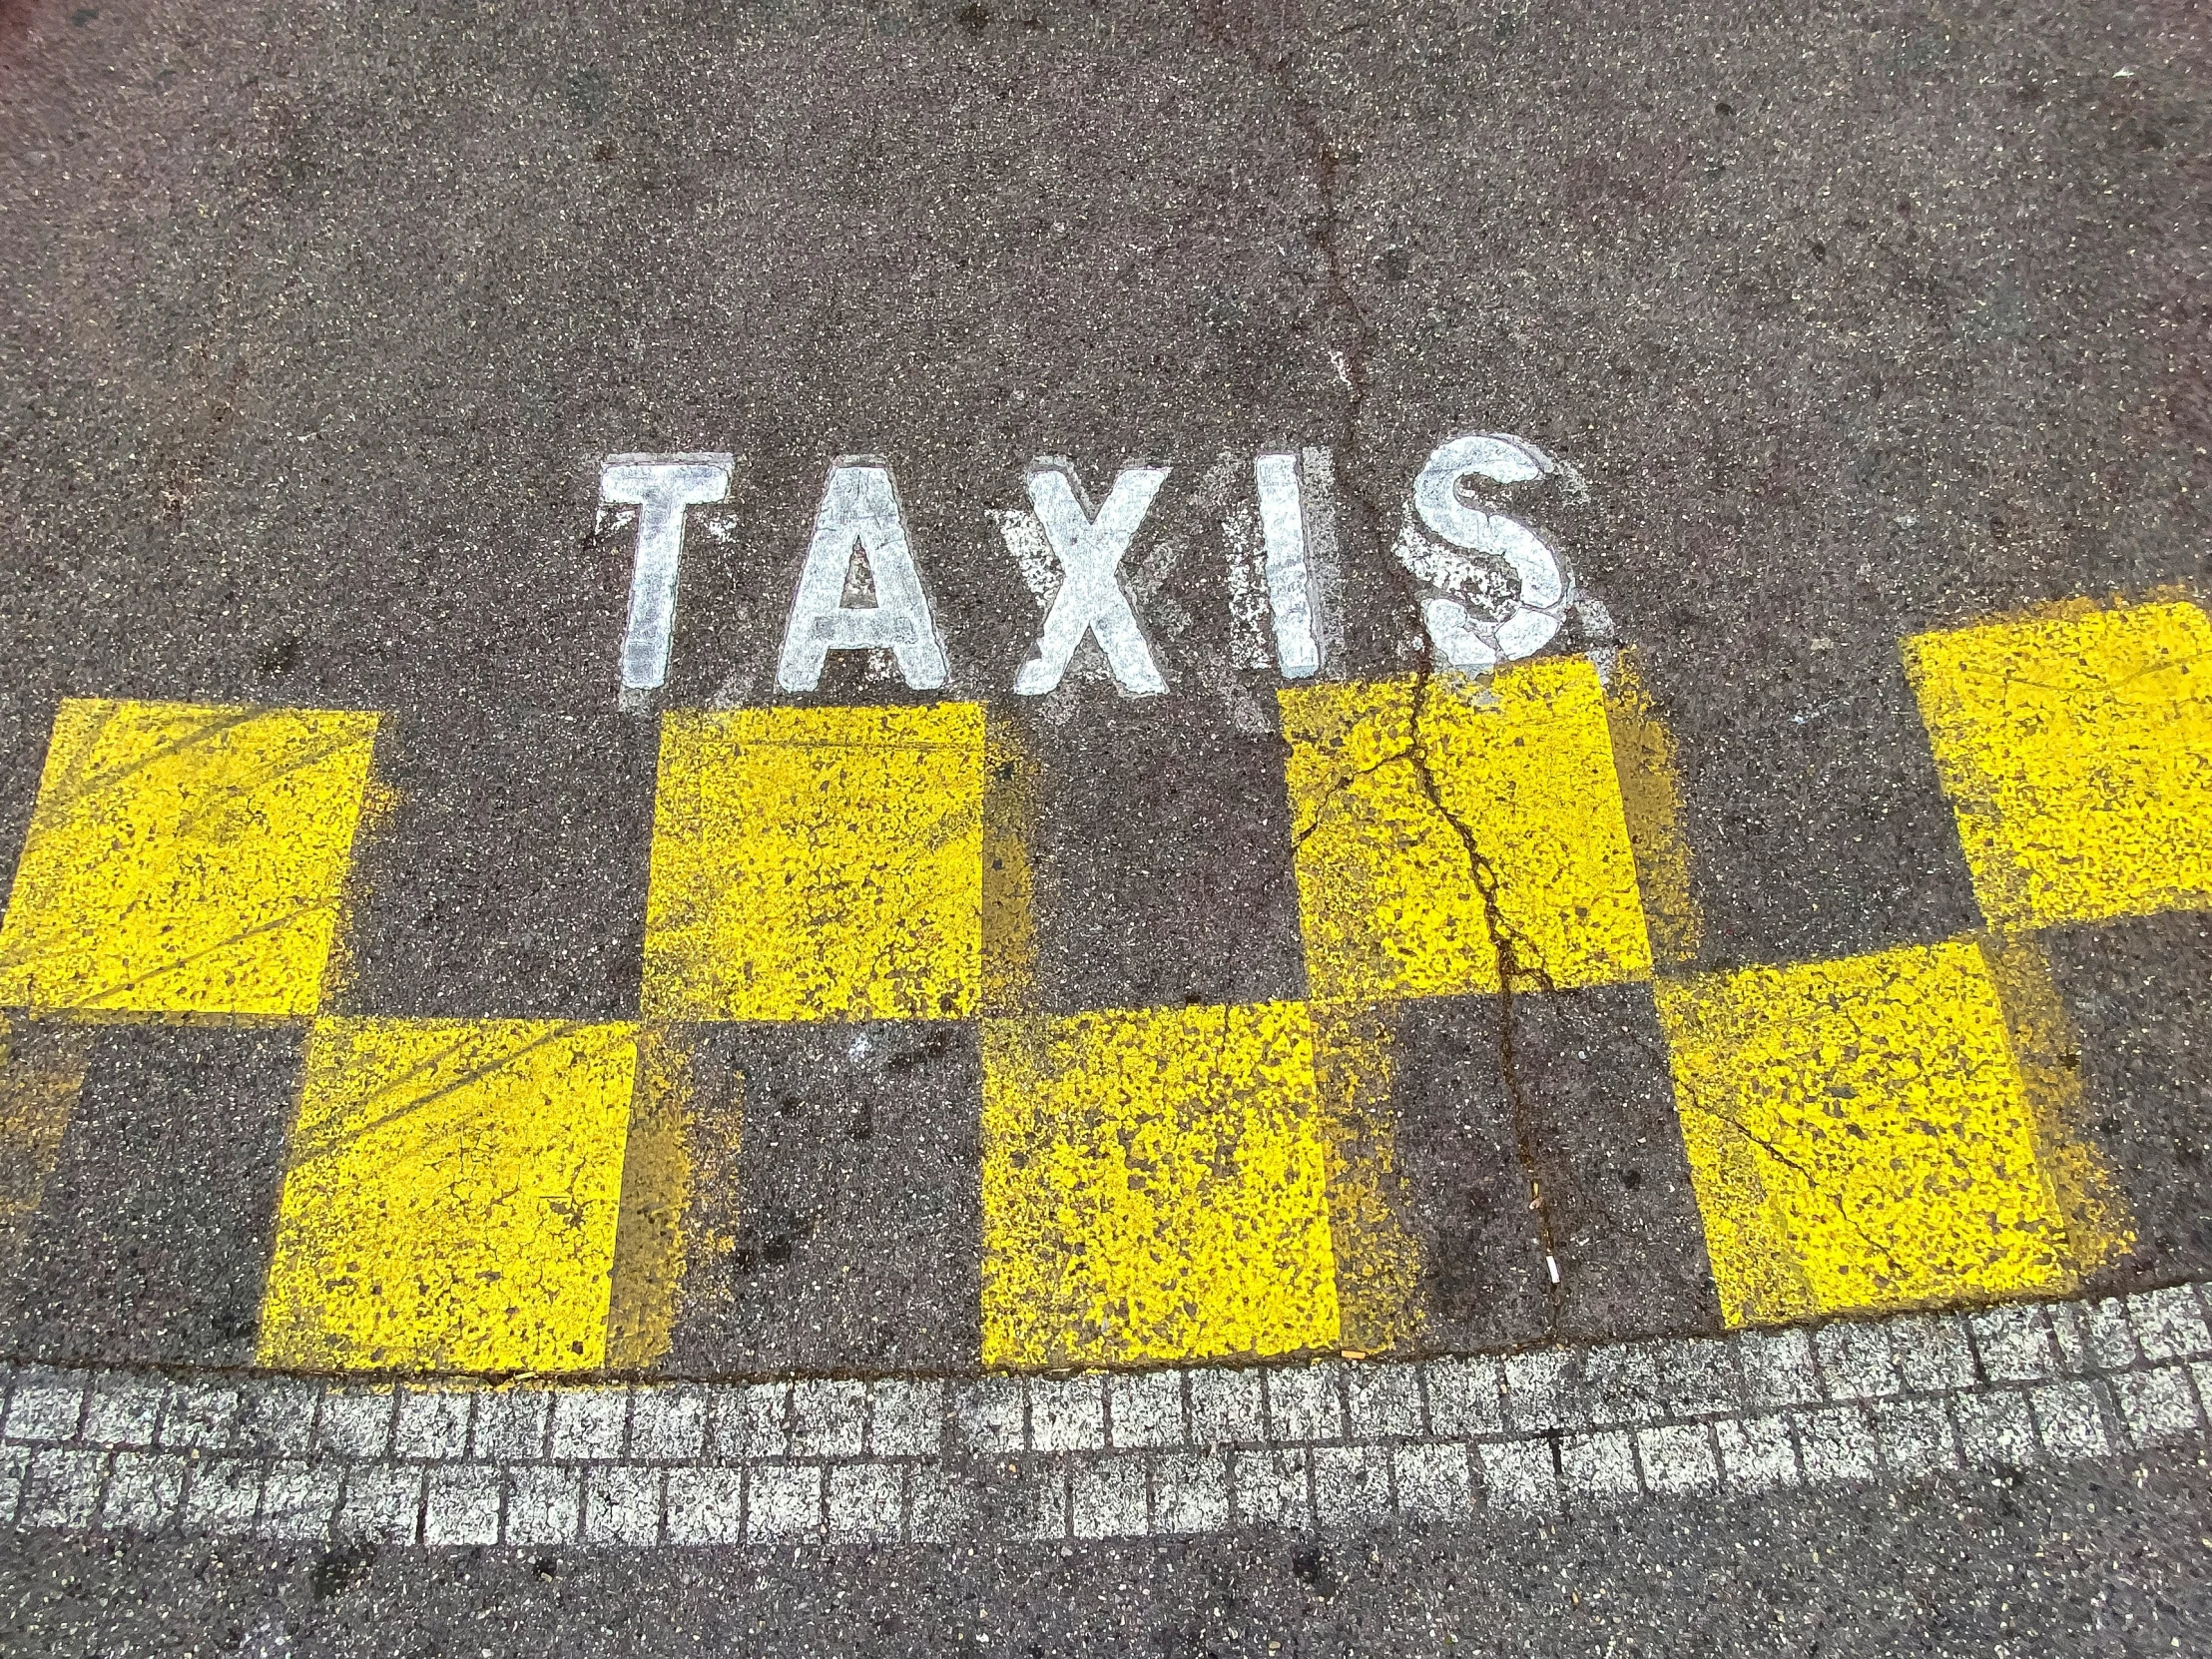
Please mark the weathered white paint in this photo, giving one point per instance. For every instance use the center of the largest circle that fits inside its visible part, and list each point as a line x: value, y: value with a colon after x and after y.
x: 1090, y: 599
x: 1440, y: 530
x: 659, y: 487
x: 859, y: 508
x: 1290, y: 580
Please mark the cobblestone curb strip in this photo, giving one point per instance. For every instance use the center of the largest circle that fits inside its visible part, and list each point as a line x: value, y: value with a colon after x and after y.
x: 1331, y: 1446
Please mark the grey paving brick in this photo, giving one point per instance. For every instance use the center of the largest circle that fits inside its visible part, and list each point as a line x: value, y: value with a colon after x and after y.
x: 1678, y: 1458
x: 1856, y: 1361
x: 511, y: 1423
x: 754, y: 1421
x: 1433, y: 1481
x: 905, y: 1419
x: 382, y: 1503
x: 706, y: 1505
x: 940, y: 1507
x: 46, y: 1406
x: 200, y: 1415
x: 1272, y: 1488
x: 2069, y: 1419
x: 221, y: 1496
x: 1757, y: 1454
x: 990, y: 1414
x: 545, y: 1504
x: 1837, y: 1444
x: 590, y: 1424
x: 1778, y: 1368
x: 783, y: 1502
x: 1598, y: 1467
x: 1933, y: 1353
x: 1352, y: 1485
x: 622, y: 1503
x: 146, y: 1489
x: 15, y: 1463
x: 1107, y: 1496
x: 354, y: 1422
x: 299, y: 1501
x: 276, y: 1416
x: 1697, y: 1377
x: 1383, y: 1403
x: 1916, y: 1436
x: 1303, y: 1403
x: 123, y: 1410
x: 867, y: 1503
x: 1536, y: 1391
x: 1227, y: 1409
x: 668, y: 1424
x: 1518, y: 1476
x: 1618, y: 1384
x: 2014, y: 1344
x: 1190, y: 1492
x: 2158, y: 1406
x: 432, y: 1424
x: 62, y: 1488
x: 829, y: 1418
x: 1068, y: 1413
x: 2111, y: 1334
x: 1995, y: 1431
x: 2169, y: 1324
x: 1036, y: 1508
x: 1145, y: 1408
x: 460, y: 1506
x: 1466, y: 1397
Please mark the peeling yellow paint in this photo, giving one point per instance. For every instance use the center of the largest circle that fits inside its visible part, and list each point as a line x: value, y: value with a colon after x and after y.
x: 2078, y: 755
x: 651, y: 1235
x: 1420, y: 803
x: 1652, y: 804
x: 1379, y: 1255
x: 185, y: 860
x: 1859, y: 1137
x: 450, y: 1197
x: 817, y: 864
x: 1155, y: 1187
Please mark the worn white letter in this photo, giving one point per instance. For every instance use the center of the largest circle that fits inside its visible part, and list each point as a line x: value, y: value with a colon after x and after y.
x: 1467, y: 641
x: 860, y: 507
x: 1290, y: 582
x: 1090, y: 599
x: 659, y: 487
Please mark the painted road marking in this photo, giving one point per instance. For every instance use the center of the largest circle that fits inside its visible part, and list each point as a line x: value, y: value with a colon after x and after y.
x: 861, y: 513
x: 817, y: 864
x: 450, y: 1197
x: 2077, y: 754
x: 1289, y: 577
x: 661, y: 487
x: 1155, y: 1187
x: 185, y: 860
x: 1437, y: 818
x: 1443, y: 526
x: 1089, y: 599
x: 1861, y: 1137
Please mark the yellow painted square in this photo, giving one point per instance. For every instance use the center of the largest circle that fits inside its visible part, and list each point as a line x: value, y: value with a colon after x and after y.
x: 450, y: 1197
x: 1859, y: 1136
x: 1433, y: 815
x: 185, y: 860
x: 817, y: 864
x: 1154, y: 1187
x: 2078, y: 755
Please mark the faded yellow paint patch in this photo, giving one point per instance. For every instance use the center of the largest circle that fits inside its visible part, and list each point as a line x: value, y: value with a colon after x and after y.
x: 42, y: 1071
x: 450, y: 1197
x: 2100, y: 1229
x: 185, y: 860
x: 1859, y: 1137
x: 1011, y: 804
x: 817, y: 864
x: 1651, y: 805
x: 1438, y: 817
x: 2078, y: 755
x: 650, y: 1234
x: 1378, y: 1254
x: 1155, y: 1187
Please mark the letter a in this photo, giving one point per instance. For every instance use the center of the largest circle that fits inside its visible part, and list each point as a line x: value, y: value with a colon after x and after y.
x: 860, y: 507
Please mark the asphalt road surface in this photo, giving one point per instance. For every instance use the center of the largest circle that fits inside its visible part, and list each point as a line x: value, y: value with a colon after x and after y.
x: 1252, y: 827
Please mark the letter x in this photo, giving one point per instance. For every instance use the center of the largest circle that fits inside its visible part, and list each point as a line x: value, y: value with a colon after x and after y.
x: 1090, y: 599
